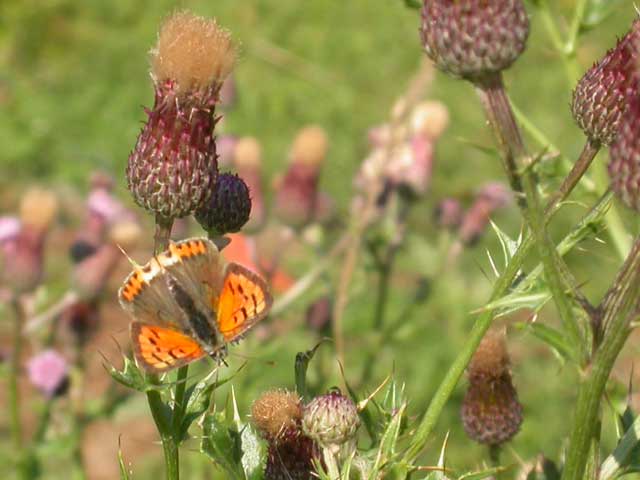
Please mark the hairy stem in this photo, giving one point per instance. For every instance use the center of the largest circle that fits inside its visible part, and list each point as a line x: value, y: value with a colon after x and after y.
x: 519, y: 168
x: 162, y: 234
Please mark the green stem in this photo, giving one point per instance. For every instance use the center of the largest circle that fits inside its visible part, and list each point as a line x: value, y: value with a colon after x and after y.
x: 619, y: 308
x: 162, y: 234
x: 498, y: 110
x: 162, y: 419
x: 179, y: 400
x: 159, y: 411
x: 482, y: 324
x: 574, y: 30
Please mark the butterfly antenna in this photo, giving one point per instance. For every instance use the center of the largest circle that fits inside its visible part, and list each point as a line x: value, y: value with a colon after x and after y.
x: 131, y: 260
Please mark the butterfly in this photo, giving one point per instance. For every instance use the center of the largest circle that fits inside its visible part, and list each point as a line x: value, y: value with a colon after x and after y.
x: 186, y: 305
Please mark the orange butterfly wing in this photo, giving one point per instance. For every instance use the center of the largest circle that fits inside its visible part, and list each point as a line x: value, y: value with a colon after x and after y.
x: 244, y: 300
x: 159, y: 349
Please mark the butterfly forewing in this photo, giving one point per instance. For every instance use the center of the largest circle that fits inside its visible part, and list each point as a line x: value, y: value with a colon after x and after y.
x: 195, y: 265
x: 145, y: 295
x: 158, y: 349
x: 244, y: 300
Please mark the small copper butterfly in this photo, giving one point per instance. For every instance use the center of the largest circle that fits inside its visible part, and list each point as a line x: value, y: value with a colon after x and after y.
x: 186, y: 304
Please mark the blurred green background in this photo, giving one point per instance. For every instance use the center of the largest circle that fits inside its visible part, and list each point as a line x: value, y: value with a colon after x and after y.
x: 73, y: 83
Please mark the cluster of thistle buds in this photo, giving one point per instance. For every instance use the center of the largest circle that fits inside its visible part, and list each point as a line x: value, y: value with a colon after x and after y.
x: 491, y: 412
x: 298, y: 434
x: 173, y: 169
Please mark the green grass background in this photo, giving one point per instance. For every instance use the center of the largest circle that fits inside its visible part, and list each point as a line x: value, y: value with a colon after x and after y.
x: 74, y: 78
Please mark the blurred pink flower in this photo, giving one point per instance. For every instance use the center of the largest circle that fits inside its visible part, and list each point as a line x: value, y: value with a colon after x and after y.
x: 48, y: 371
x: 490, y: 197
x: 449, y: 213
x: 9, y: 228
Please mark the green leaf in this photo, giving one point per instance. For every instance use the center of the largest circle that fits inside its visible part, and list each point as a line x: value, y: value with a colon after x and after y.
x: 199, y: 398
x: 552, y: 337
x: 489, y: 473
x: 253, y: 448
x: 130, y: 376
x: 124, y: 474
x: 387, y: 448
x: 221, y: 444
x: 301, y: 366
x: 415, y: 4
x: 625, y: 454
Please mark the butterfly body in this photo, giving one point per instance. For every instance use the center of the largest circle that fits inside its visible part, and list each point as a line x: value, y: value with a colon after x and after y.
x: 186, y: 305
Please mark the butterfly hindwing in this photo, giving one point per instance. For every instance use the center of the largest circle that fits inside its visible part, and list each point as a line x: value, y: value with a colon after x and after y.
x: 244, y: 300
x: 159, y: 349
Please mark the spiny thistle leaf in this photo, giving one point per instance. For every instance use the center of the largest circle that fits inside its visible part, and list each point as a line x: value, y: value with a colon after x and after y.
x: 552, y: 337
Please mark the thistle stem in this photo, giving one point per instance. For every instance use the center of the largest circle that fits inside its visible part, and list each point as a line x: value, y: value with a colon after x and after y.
x: 159, y: 411
x: 518, y: 166
x: 162, y: 234
x: 619, y: 308
x: 504, y: 282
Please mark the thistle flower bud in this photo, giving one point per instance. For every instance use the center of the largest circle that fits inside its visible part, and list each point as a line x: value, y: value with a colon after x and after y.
x: 624, y: 156
x: 332, y: 421
x: 248, y: 163
x: 48, y: 371
x: 491, y: 413
x: 229, y: 207
x: 599, y: 99
x: 297, y: 194
x: 172, y: 169
x: 472, y: 38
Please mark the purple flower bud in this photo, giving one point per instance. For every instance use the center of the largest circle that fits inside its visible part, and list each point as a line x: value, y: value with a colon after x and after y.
x: 48, y: 371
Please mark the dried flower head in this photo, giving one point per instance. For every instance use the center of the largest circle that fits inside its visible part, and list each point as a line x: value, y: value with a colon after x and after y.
x: 276, y: 411
x: 472, y: 38
x: 310, y: 146
x: 491, y: 412
x: 38, y: 208
x: 48, y: 371
x: 192, y: 51
x: 599, y: 99
x: 248, y: 154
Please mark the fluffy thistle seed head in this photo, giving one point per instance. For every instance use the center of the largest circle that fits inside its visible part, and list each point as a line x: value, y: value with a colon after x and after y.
x: 173, y: 167
x: 472, y: 38
x: 229, y: 207
x: 599, y: 99
x: 38, y: 209
x: 491, y: 413
x: 310, y: 146
x: 276, y: 411
x: 193, y: 52
x: 624, y: 156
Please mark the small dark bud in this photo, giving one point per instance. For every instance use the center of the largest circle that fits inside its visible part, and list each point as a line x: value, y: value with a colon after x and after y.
x: 229, y: 207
